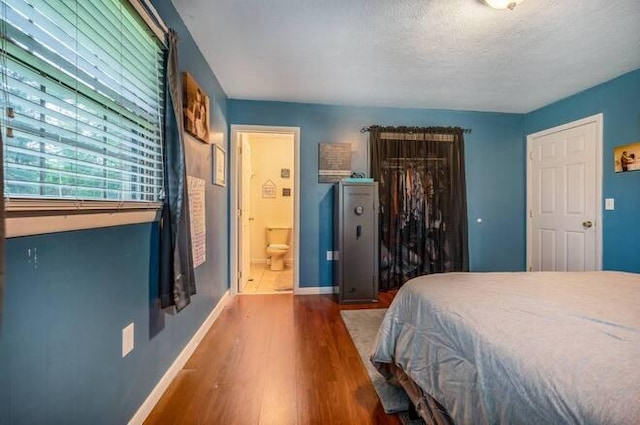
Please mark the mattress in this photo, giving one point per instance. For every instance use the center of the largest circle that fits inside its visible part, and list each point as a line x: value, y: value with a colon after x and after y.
x: 520, y: 348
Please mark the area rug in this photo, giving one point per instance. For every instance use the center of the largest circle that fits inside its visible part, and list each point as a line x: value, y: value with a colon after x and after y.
x: 363, y: 326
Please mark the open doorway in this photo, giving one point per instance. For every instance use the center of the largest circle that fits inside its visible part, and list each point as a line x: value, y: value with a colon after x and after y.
x: 264, y: 183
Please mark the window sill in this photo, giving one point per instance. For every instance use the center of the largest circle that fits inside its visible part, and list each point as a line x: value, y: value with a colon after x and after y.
x: 28, y: 217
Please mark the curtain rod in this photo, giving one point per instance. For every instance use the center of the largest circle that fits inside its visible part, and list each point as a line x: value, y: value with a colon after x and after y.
x: 417, y: 129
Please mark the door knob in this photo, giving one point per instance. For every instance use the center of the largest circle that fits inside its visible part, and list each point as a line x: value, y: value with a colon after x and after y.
x: 587, y: 224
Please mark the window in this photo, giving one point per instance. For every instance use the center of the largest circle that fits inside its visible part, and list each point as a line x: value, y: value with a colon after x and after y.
x: 82, y: 102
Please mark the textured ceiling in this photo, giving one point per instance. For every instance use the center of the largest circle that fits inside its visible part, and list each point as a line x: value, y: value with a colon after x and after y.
x: 447, y: 54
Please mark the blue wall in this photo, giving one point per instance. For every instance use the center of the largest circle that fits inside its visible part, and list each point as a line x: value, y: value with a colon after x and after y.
x: 619, y: 101
x: 68, y: 296
x: 495, y: 175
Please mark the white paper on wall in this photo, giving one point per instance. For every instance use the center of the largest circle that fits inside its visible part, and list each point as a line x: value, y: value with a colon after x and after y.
x: 197, y: 217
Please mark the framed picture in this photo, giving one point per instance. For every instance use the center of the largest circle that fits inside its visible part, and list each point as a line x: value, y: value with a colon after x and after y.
x: 627, y: 157
x: 196, y: 108
x: 269, y: 189
x: 219, y: 160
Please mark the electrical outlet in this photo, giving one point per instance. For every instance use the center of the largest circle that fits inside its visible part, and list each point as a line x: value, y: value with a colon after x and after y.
x: 127, y: 339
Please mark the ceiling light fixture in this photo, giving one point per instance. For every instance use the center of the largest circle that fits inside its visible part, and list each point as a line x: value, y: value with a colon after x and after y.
x: 503, y: 4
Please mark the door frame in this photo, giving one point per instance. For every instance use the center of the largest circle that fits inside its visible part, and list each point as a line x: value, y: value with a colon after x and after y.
x: 234, y: 194
x: 598, y: 119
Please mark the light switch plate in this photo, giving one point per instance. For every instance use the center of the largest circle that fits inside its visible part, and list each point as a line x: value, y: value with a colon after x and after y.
x: 336, y: 255
x: 127, y: 339
x: 329, y: 255
x: 609, y: 204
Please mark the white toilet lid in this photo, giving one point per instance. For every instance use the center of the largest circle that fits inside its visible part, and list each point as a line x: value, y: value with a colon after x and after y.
x: 278, y: 246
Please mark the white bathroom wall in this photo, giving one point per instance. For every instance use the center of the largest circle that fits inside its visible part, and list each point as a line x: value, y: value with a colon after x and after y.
x: 270, y: 153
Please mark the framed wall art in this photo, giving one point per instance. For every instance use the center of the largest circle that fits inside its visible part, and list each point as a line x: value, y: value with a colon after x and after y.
x: 269, y: 189
x: 334, y: 162
x: 196, y: 107
x: 627, y: 157
x: 219, y: 158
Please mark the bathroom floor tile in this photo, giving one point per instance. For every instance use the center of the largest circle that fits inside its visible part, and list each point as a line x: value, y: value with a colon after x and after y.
x: 256, y: 271
x: 270, y: 275
x: 250, y: 288
x: 263, y: 280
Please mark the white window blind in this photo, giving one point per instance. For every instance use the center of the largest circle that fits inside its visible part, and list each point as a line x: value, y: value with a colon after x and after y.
x: 82, y: 101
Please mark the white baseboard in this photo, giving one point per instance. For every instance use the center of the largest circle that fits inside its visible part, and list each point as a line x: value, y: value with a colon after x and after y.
x: 316, y: 290
x: 177, y: 365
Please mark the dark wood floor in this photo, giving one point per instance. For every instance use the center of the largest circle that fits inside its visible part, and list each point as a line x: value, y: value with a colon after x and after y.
x: 275, y: 359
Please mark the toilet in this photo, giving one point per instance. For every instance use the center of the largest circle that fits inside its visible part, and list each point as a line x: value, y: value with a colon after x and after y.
x: 277, y: 239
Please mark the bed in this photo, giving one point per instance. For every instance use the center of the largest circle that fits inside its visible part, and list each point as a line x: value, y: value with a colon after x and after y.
x: 517, y: 348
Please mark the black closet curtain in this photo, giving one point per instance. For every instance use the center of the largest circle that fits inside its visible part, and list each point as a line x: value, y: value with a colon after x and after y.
x: 2, y: 228
x: 177, y: 276
x: 423, y: 206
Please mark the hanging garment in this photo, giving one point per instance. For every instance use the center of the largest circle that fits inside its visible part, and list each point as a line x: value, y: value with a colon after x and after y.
x: 423, y: 207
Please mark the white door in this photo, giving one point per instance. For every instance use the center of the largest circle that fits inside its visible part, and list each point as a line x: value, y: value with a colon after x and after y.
x: 563, y: 194
x: 244, y: 225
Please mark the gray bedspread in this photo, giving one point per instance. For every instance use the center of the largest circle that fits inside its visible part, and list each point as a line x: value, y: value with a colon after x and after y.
x: 520, y: 348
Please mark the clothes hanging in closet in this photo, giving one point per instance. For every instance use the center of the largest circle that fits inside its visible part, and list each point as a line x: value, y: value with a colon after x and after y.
x: 422, y: 208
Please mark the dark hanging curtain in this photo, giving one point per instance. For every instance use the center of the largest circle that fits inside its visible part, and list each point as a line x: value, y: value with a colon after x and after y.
x: 423, y: 207
x: 177, y: 277
x: 2, y: 228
